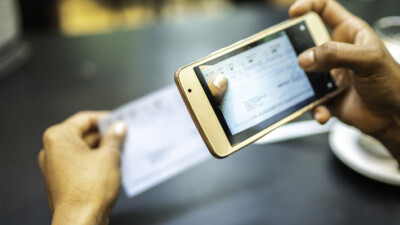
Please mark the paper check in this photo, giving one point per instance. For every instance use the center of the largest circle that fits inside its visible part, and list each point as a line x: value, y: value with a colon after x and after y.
x: 161, y: 142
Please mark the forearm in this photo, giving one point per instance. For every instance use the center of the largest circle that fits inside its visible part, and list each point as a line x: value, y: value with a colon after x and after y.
x: 79, y: 215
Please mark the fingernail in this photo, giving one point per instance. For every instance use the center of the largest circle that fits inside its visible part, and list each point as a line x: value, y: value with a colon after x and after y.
x: 119, y: 127
x: 307, y: 58
x: 317, y: 116
x: 220, y: 81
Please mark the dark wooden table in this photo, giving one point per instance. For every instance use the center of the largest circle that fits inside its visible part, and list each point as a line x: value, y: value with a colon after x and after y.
x: 292, y: 182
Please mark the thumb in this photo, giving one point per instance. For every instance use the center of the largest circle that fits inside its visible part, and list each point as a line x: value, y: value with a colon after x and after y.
x: 361, y: 59
x: 217, y: 86
x: 114, y: 136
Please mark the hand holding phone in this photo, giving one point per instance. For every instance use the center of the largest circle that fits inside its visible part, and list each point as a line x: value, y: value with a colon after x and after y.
x: 265, y: 85
x: 372, y: 101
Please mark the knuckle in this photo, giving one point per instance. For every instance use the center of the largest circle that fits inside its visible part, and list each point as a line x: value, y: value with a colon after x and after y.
x: 50, y: 134
x: 328, y: 53
x: 378, y: 53
x: 319, y: 5
x: 41, y: 158
x: 329, y: 49
x: 375, y: 58
x: 362, y: 25
x: 81, y: 114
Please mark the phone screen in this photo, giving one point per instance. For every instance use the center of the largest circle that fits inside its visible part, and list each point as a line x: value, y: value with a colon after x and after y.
x: 265, y: 82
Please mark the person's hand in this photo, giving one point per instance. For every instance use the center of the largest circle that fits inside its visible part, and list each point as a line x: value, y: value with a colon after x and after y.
x: 372, y: 101
x: 81, y: 171
x: 218, y: 85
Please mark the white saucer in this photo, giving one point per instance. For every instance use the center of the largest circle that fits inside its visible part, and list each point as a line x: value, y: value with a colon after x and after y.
x: 345, y: 143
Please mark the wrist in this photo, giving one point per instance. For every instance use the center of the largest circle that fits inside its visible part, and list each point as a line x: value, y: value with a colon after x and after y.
x: 80, y: 214
x: 391, y: 140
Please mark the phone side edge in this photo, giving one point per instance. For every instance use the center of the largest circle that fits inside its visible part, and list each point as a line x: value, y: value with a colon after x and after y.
x: 192, y: 113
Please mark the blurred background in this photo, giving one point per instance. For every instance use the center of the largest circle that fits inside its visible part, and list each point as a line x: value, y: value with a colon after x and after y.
x: 82, y: 17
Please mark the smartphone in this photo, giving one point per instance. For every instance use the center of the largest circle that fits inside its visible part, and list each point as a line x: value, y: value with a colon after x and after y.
x: 266, y: 86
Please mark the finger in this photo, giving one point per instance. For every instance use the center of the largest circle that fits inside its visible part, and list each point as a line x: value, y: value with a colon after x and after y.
x: 92, y: 139
x: 85, y: 121
x: 360, y: 59
x: 346, y: 27
x: 342, y: 77
x: 321, y: 114
x: 330, y: 11
x: 114, y: 136
x: 217, y: 86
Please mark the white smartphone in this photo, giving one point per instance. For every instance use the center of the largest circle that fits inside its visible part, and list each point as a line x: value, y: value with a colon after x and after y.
x: 266, y: 87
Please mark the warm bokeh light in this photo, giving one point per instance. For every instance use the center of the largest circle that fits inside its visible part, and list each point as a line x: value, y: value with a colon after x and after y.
x: 79, y: 17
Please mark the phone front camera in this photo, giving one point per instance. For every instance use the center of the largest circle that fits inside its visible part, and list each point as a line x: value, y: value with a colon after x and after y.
x: 330, y: 85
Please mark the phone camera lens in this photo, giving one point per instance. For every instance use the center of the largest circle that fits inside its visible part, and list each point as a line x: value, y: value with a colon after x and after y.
x: 189, y: 90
